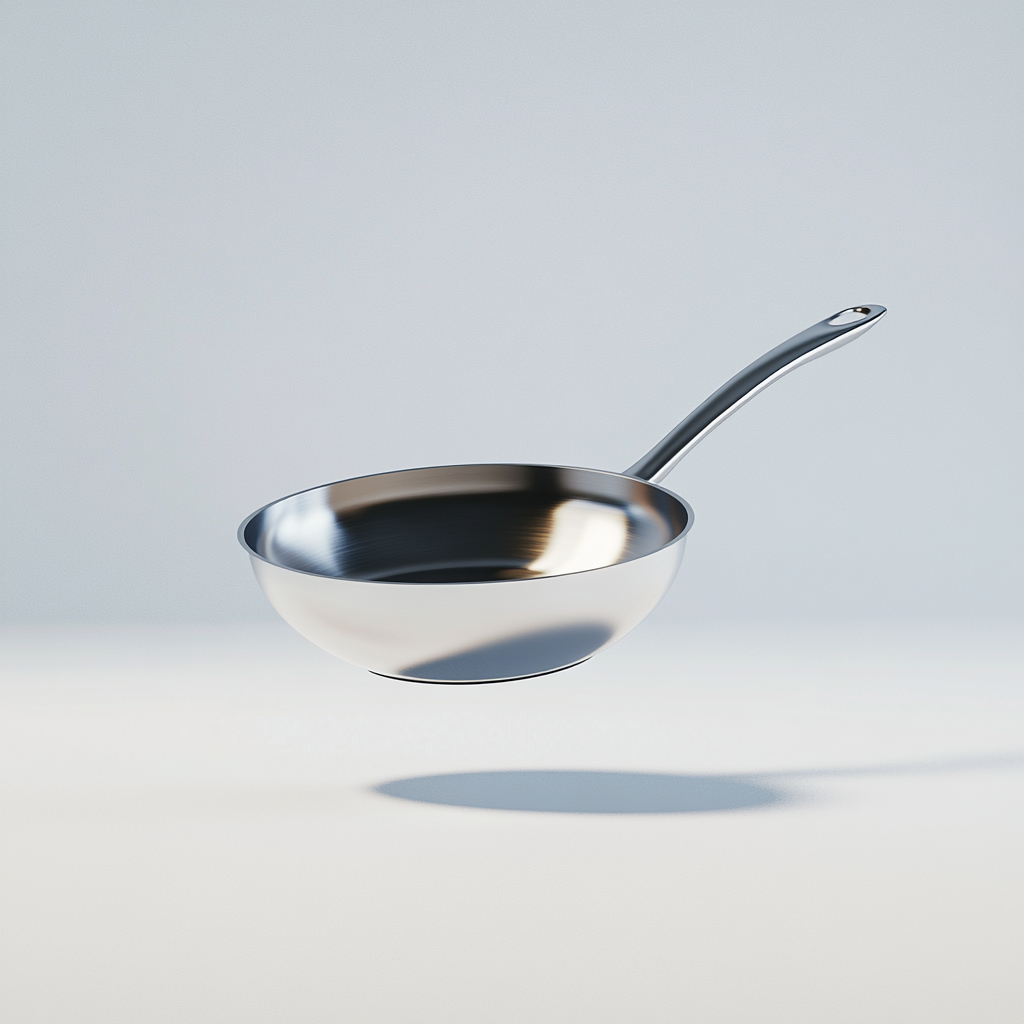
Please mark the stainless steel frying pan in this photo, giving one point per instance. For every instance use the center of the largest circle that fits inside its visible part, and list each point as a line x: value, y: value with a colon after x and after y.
x: 476, y: 574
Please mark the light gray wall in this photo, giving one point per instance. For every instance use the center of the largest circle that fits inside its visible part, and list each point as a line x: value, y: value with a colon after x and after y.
x: 255, y: 247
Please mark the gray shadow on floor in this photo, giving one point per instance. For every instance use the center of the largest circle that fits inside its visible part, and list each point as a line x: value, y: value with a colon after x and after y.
x: 606, y: 792
x: 583, y: 792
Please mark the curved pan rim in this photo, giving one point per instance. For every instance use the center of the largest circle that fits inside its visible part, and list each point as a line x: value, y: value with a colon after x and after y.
x: 469, y: 583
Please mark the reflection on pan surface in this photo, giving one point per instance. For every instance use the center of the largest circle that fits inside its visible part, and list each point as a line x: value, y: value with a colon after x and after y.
x: 465, y: 524
x: 527, y: 655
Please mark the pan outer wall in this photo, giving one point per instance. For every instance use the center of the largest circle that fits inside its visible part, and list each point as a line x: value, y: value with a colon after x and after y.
x: 471, y: 632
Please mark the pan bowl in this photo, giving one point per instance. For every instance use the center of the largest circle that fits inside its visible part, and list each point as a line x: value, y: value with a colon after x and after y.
x: 469, y: 574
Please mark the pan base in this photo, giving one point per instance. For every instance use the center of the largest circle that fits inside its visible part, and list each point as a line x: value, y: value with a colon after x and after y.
x: 478, y: 682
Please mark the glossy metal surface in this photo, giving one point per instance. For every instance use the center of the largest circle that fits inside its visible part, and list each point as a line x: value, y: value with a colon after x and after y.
x: 465, y: 574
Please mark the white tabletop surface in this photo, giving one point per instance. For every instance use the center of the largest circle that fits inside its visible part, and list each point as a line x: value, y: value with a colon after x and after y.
x: 743, y: 824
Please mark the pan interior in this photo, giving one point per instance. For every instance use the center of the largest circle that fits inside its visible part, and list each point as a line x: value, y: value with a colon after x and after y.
x: 465, y: 524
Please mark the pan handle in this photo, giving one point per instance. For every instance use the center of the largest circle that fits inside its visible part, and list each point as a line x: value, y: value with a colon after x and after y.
x: 824, y: 337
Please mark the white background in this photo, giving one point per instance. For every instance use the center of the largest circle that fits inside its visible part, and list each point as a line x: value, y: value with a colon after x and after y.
x: 251, y: 248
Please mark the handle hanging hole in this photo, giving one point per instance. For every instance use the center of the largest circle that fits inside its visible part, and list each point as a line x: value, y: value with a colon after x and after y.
x: 849, y: 316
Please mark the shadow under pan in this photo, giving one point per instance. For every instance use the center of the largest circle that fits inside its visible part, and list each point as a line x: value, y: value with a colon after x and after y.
x: 587, y: 792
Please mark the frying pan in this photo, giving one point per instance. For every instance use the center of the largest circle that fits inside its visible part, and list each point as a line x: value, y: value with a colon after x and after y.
x: 484, y: 573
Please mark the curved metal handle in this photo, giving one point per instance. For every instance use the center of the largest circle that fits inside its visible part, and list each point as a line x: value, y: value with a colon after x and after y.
x: 827, y: 336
